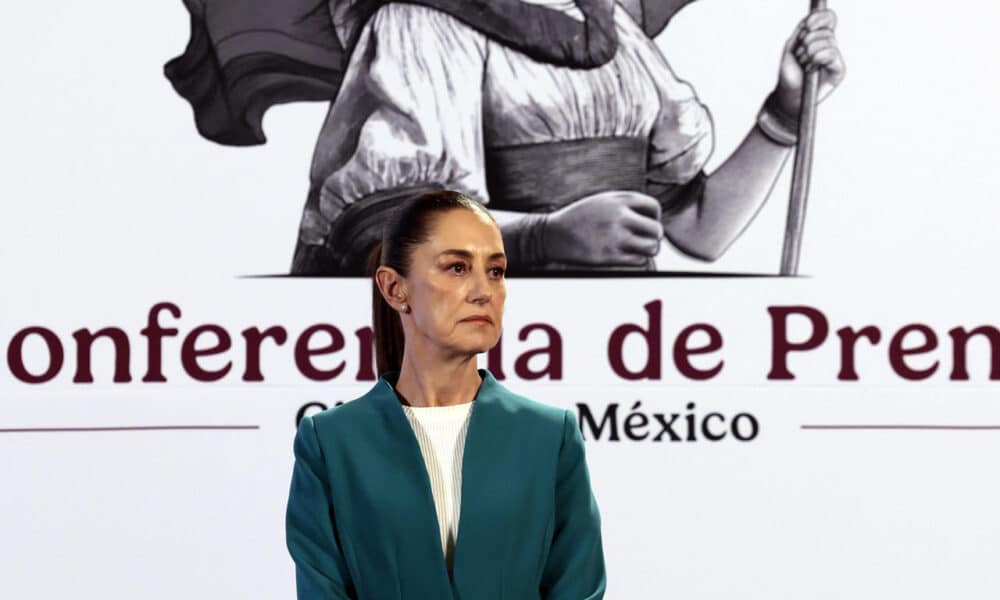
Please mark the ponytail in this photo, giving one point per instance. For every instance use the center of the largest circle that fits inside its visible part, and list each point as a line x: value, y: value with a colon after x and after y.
x: 386, y: 326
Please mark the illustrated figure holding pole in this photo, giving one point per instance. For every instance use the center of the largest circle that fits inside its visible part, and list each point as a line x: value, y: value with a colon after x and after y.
x: 563, y: 117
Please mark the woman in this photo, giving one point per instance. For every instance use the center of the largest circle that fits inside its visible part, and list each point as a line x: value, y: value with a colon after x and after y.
x: 440, y: 482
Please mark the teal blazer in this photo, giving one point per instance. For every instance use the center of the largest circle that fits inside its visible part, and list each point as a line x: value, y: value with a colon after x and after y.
x: 361, y: 521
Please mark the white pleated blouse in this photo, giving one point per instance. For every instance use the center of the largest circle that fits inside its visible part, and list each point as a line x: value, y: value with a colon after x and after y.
x: 441, y: 431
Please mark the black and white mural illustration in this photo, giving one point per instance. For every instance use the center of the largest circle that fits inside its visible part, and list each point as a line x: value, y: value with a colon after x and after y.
x: 562, y: 116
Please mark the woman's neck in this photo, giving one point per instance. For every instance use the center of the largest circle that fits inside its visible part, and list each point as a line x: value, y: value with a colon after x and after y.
x: 431, y: 382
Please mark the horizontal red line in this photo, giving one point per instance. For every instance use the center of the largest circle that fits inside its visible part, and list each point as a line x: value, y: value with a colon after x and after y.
x: 968, y: 427
x: 127, y: 428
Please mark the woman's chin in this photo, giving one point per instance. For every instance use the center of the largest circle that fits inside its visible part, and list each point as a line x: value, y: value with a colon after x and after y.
x: 478, y: 343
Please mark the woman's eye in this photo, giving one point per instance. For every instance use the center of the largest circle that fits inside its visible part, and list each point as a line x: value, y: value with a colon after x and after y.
x: 461, y: 268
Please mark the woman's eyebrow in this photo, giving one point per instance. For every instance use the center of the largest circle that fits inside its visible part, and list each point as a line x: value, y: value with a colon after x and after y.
x: 467, y: 254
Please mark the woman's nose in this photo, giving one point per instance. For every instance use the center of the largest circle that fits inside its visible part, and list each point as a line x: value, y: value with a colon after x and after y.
x: 481, y: 290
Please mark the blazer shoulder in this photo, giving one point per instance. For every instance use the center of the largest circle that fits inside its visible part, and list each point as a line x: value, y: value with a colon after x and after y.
x: 524, y: 407
x: 347, y: 415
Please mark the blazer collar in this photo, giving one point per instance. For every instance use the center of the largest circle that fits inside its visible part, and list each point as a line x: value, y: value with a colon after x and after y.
x: 387, y: 399
x: 486, y: 438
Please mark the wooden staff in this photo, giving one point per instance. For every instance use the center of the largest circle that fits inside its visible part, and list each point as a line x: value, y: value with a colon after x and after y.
x: 803, y: 167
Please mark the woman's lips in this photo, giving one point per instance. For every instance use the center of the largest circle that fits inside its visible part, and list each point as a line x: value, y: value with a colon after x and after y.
x: 478, y: 320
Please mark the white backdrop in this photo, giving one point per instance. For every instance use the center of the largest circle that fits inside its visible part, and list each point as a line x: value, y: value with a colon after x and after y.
x: 112, y: 203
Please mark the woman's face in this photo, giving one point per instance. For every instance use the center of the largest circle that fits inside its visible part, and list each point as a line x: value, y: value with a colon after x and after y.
x: 456, y: 286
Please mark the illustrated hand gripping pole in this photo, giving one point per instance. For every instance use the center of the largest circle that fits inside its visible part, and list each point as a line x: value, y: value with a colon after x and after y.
x: 802, y: 169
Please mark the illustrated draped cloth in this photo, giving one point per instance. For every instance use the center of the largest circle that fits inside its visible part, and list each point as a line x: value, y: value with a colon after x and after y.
x: 244, y: 57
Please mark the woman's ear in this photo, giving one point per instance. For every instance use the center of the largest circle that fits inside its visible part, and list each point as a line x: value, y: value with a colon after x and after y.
x: 391, y: 285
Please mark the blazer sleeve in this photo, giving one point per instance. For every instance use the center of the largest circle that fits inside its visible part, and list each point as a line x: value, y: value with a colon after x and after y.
x: 574, y: 568
x: 310, y: 533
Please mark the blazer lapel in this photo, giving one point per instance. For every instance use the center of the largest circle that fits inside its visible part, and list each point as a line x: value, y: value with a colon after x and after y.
x: 477, y: 569
x: 482, y: 441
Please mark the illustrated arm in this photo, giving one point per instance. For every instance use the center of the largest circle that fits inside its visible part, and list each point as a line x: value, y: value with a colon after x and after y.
x: 702, y: 213
x: 729, y: 199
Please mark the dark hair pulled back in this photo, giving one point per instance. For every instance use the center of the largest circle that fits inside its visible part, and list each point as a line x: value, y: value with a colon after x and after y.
x: 408, y: 226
